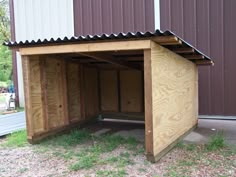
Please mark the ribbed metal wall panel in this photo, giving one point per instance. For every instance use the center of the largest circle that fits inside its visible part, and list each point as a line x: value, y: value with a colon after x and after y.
x: 209, y: 26
x: 40, y: 19
x: 113, y: 16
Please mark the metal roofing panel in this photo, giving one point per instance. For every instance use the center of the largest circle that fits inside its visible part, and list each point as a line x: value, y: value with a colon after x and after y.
x: 87, y: 38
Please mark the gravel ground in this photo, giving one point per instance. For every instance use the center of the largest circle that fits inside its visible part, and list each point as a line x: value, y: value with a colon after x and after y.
x: 37, y: 160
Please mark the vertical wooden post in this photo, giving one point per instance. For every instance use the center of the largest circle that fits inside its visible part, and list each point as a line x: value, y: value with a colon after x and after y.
x: 65, y: 95
x: 44, y: 92
x: 148, y: 103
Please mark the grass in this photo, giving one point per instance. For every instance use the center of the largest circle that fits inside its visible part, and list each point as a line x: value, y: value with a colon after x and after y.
x: 213, y: 155
x: 216, y: 142
x: 74, y: 138
x: 109, y: 173
x: 89, y: 157
x: 94, y: 153
x: 16, y: 139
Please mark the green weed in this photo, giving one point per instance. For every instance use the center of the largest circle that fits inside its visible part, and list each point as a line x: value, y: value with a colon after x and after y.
x: 216, y: 142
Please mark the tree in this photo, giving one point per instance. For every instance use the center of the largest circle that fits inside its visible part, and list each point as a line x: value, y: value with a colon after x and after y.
x: 5, y: 53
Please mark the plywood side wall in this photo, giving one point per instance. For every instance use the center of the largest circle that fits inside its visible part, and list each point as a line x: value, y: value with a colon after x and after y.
x: 174, y: 97
x: 56, y: 93
x: 32, y: 88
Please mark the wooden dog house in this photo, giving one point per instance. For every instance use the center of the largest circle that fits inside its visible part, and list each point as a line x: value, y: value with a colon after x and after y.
x: 149, y: 76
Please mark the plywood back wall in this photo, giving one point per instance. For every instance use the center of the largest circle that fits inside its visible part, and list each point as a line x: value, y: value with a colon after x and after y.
x: 90, y: 92
x: 121, y: 91
x: 74, y: 91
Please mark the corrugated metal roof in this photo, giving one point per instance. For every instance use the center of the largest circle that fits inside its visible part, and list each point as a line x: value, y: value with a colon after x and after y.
x: 119, y: 36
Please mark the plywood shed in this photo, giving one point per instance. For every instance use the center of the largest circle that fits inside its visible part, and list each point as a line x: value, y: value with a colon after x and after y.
x: 148, y: 76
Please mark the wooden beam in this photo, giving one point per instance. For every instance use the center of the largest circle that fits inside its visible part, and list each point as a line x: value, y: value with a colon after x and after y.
x: 194, y: 57
x: 186, y: 50
x: 110, y: 59
x: 88, y: 47
x: 203, y: 62
x: 167, y: 40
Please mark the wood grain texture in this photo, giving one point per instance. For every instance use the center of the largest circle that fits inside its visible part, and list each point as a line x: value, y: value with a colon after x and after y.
x: 73, y: 85
x: 87, y: 47
x: 36, y: 92
x: 27, y: 94
x: 174, y: 96
x: 55, y: 95
x: 91, y: 92
x: 148, y: 103
x: 109, y: 90
x: 131, y: 91
x: 33, y: 99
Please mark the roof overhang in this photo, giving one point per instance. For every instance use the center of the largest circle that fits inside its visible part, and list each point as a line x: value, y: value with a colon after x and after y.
x: 120, y: 42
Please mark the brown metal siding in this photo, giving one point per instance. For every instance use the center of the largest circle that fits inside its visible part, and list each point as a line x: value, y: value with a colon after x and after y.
x: 209, y: 26
x: 113, y: 16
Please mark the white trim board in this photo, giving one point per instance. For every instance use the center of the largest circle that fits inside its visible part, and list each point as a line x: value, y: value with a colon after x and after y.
x: 157, y: 14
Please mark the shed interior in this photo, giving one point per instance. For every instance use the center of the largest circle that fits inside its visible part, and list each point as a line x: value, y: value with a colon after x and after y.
x: 86, y: 86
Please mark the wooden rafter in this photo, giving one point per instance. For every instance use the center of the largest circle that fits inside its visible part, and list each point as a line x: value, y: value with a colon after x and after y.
x: 110, y: 59
x: 194, y: 57
x: 167, y: 40
x: 186, y: 50
x: 203, y: 62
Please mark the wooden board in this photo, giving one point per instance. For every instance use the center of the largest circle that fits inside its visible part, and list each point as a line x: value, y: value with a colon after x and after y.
x: 131, y: 91
x: 174, y: 84
x: 55, y: 93
x: 33, y: 99
x: 91, y: 92
x: 109, y: 90
x: 87, y: 47
x: 148, y: 103
x: 73, y: 87
x: 36, y: 91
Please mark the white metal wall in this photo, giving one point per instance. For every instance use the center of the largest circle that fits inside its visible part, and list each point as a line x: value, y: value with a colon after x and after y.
x: 157, y: 13
x: 40, y: 19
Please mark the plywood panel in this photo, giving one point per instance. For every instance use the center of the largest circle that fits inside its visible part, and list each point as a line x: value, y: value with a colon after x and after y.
x: 73, y: 87
x: 174, y: 96
x: 91, y: 92
x: 55, y: 95
x: 109, y: 90
x: 131, y: 91
x: 34, y: 104
x: 36, y: 98
x: 27, y: 94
